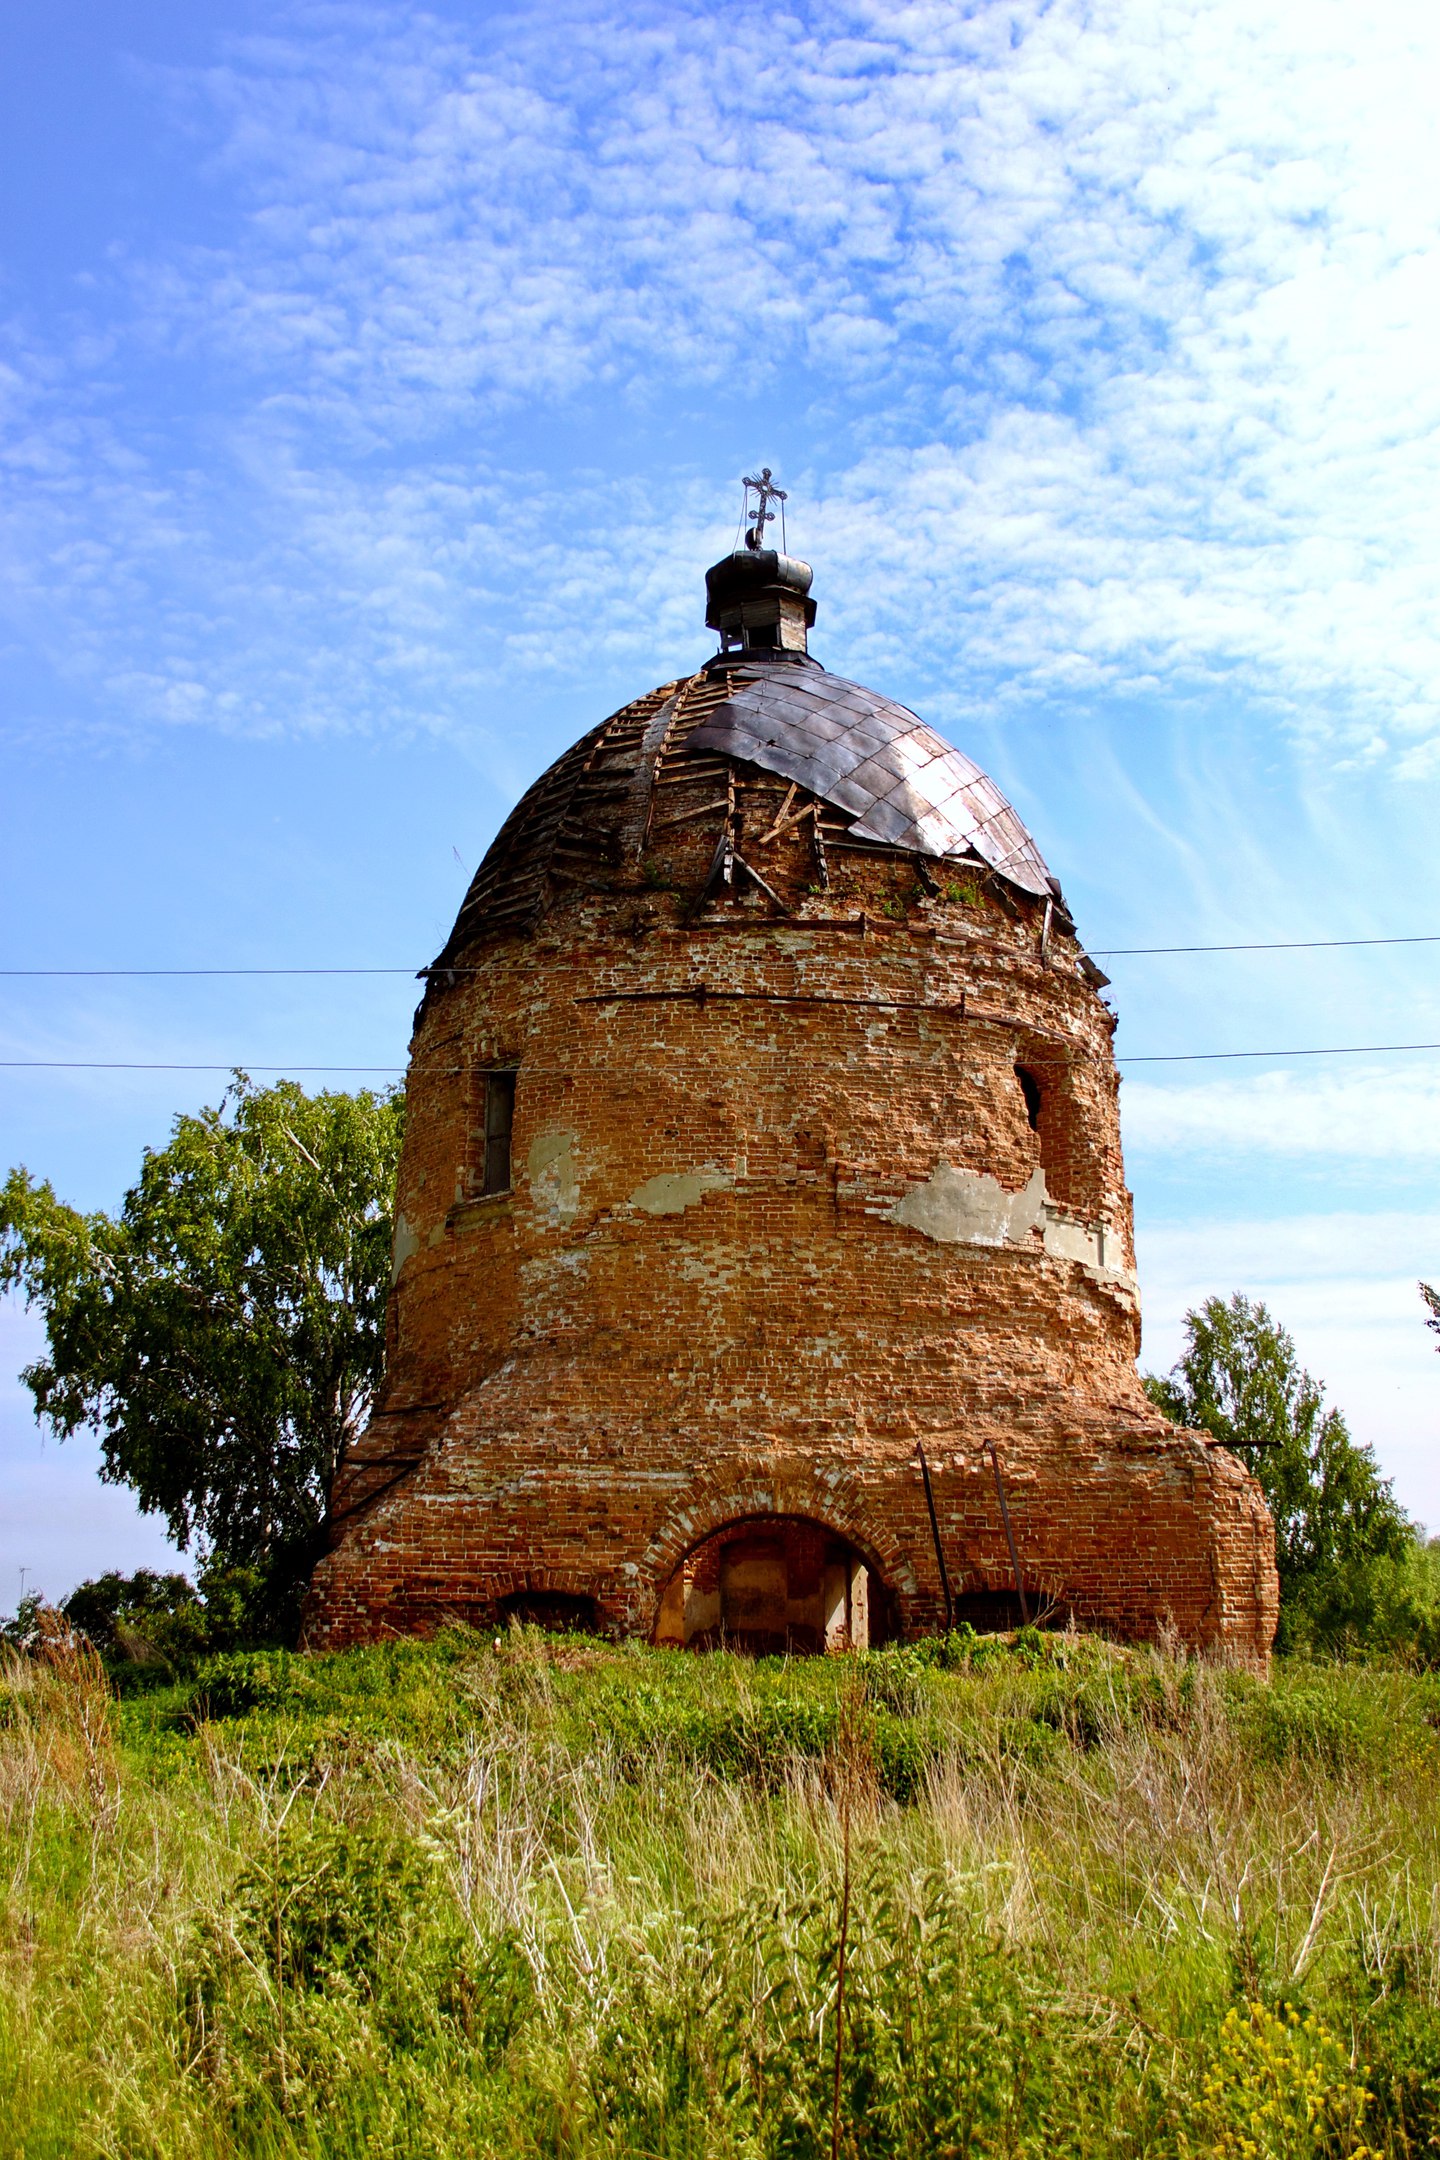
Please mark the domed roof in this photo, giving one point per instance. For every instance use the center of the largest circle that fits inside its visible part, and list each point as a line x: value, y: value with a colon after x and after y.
x: 886, y: 781
x: 892, y: 782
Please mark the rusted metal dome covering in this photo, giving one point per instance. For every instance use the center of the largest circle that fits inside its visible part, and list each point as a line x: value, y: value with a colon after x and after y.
x: 885, y: 779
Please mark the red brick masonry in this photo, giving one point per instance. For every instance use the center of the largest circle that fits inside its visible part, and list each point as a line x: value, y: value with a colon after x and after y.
x: 790, y: 1194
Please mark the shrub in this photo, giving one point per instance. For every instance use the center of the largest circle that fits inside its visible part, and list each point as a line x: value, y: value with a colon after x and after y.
x: 329, y: 1901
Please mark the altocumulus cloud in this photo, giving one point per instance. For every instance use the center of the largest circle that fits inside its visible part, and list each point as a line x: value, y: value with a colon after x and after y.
x: 1127, y: 309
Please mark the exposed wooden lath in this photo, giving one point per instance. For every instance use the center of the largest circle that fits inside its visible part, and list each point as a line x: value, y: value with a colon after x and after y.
x: 869, y: 777
x: 558, y: 830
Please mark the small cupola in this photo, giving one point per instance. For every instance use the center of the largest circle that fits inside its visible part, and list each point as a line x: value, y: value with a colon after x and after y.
x: 759, y: 602
x: 757, y: 598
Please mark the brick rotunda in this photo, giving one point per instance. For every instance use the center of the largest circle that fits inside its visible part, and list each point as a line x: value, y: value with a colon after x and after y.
x: 763, y: 1125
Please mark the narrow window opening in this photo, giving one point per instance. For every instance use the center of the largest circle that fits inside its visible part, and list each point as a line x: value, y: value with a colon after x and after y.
x: 499, y: 1124
x: 1066, y: 1149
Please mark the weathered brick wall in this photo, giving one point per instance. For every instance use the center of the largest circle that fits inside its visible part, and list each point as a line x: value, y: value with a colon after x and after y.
x: 779, y: 1211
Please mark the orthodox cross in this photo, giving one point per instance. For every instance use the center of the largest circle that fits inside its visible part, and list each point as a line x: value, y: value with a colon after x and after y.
x: 765, y: 493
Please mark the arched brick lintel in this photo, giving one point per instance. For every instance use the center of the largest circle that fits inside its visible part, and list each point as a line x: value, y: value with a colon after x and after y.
x: 741, y: 1493
x: 1041, y: 1579
x: 547, y: 1582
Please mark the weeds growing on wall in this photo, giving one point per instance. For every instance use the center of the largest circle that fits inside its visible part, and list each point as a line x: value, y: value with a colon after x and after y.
x: 561, y: 1899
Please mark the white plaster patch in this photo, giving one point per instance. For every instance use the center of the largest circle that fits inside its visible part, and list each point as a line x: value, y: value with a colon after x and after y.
x: 554, y: 1179
x: 1067, y: 1238
x: 968, y: 1207
x: 673, y: 1192
x: 407, y: 1241
x: 1094, y: 1246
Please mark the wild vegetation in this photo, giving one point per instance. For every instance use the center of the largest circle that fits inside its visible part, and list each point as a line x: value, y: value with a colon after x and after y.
x: 1357, y: 1575
x: 224, y: 1332
x: 543, y: 1896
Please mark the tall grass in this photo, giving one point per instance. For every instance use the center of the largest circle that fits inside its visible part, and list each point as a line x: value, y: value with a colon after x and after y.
x: 1030, y: 1898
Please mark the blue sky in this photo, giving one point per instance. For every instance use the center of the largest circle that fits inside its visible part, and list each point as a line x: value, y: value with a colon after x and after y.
x: 374, y: 386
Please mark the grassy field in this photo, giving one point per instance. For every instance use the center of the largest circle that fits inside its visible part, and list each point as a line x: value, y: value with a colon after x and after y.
x: 1038, y: 1897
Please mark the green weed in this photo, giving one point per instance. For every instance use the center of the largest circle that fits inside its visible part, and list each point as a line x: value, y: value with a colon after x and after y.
x: 563, y: 1899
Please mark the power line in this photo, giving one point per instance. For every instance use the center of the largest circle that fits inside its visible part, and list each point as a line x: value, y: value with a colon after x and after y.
x: 138, y: 1065
x: 1202, y: 1057
x: 1101, y: 952
x: 1125, y: 952
x: 1163, y: 1057
x: 11, y: 974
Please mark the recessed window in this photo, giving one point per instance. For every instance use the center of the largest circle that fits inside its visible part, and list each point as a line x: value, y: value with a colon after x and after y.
x: 1067, y: 1146
x: 499, y: 1124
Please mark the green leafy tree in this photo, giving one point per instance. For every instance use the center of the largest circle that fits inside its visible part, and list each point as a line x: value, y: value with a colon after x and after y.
x: 1337, y: 1520
x: 114, y: 1610
x: 1432, y: 1299
x: 148, y: 1624
x: 224, y: 1332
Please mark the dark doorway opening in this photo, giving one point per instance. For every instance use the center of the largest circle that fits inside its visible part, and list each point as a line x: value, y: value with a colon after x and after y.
x: 774, y: 1585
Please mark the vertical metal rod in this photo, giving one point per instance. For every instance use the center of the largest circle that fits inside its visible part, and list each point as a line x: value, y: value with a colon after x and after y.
x: 935, y: 1533
x: 1009, y: 1534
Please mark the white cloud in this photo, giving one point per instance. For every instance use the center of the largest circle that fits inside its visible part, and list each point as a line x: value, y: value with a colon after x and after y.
x: 1345, y: 1287
x: 1125, y: 311
x: 1371, y: 1247
x: 1364, y: 1113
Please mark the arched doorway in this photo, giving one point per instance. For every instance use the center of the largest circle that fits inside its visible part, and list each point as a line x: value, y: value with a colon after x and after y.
x: 773, y: 1584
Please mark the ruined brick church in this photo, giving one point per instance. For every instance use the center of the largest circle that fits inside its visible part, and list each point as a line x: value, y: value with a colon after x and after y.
x: 763, y: 1267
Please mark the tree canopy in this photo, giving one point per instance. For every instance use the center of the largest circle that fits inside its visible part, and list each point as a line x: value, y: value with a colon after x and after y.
x: 224, y: 1332
x: 1335, y: 1516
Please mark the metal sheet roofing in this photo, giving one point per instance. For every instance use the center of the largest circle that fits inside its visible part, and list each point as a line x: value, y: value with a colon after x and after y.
x: 893, y: 780
x: 904, y: 784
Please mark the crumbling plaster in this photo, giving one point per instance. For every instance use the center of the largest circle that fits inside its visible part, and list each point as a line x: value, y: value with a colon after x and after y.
x: 670, y: 1192
x: 956, y: 1206
x: 554, y: 1176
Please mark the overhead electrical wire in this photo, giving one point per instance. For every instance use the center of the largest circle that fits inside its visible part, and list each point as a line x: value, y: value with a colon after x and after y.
x: 1171, y: 1057
x: 1204, y: 1057
x: 1158, y: 1057
x: 163, y: 1065
x: 1100, y: 952
x: 12, y: 974
x: 1125, y: 952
